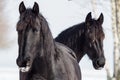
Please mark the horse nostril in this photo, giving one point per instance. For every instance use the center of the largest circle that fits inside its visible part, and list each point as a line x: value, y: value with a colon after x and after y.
x: 21, y: 63
x: 100, y: 62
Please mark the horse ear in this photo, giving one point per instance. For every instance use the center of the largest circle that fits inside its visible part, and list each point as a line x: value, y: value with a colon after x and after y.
x: 88, y: 18
x: 101, y: 18
x: 36, y: 8
x: 22, y: 7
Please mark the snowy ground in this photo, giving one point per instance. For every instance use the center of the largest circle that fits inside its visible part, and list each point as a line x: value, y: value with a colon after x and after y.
x: 9, y: 74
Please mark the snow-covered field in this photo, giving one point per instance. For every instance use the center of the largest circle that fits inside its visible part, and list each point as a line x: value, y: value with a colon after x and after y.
x: 9, y: 74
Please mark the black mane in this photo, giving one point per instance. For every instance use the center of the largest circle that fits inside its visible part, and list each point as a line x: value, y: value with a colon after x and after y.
x: 70, y: 36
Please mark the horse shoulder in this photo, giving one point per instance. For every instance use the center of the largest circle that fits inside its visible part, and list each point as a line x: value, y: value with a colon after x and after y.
x: 65, y: 49
x: 69, y: 65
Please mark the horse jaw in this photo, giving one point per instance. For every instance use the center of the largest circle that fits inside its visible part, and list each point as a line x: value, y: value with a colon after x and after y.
x: 97, y: 67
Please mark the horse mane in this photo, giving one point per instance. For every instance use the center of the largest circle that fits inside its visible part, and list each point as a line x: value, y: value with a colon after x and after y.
x: 71, y: 34
x: 47, y: 41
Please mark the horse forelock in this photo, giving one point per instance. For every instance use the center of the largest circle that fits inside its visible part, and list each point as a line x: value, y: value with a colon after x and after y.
x: 27, y: 18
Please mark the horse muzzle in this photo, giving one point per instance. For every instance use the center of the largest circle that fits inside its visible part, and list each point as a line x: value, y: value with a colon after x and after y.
x: 24, y: 65
x: 99, y: 63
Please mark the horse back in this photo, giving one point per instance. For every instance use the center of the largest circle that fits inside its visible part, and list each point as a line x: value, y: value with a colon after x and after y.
x: 66, y: 65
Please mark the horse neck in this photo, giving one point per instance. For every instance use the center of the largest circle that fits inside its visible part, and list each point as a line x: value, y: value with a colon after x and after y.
x: 47, y: 39
x: 74, y: 38
x: 47, y: 49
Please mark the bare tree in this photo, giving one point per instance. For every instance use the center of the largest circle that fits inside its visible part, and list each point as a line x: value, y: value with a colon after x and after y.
x: 116, y: 34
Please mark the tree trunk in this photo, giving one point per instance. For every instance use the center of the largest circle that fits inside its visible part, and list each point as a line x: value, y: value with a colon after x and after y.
x: 116, y: 35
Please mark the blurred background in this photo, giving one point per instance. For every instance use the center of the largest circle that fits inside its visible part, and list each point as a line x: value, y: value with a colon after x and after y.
x: 60, y: 15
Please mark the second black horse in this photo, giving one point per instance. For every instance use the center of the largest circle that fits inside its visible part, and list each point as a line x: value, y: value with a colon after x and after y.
x: 86, y: 38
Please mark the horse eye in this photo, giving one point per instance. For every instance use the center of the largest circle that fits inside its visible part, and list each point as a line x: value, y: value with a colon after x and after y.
x: 34, y: 30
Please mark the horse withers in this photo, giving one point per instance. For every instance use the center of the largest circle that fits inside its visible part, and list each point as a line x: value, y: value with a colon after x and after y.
x: 40, y: 57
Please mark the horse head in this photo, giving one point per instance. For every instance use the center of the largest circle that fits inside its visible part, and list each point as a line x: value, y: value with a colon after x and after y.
x: 28, y: 28
x: 94, y: 37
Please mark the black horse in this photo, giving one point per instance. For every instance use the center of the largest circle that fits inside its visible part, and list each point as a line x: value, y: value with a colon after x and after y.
x: 40, y: 57
x: 86, y: 38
